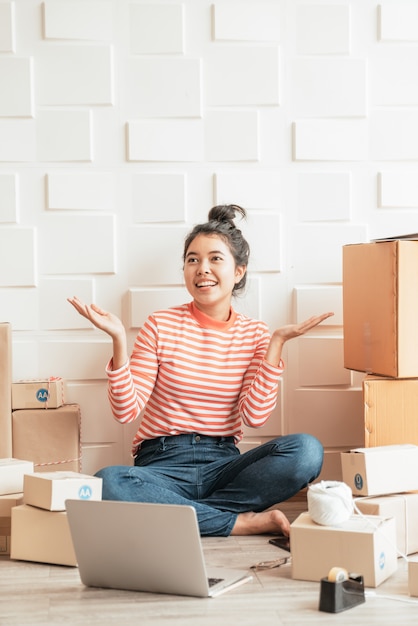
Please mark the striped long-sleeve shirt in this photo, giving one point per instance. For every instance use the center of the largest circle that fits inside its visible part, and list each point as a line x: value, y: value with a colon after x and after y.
x: 191, y: 373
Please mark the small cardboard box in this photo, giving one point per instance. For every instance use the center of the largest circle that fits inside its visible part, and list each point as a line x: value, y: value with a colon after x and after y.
x: 51, y: 439
x: 390, y: 408
x: 50, y: 490
x: 41, y: 536
x: 404, y: 508
x: 38, y: 394
x: 380, y: 306
x: 361, y: 545
x: 5, y: 395
x: 381, y: 470
x: 413, y: 577
x: 12, y: 472
x: 6, y: 504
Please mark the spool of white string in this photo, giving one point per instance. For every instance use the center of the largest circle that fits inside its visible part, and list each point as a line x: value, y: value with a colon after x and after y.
x: 330, y: 502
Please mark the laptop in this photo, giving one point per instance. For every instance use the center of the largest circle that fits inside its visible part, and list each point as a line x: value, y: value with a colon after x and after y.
x: 144, y: 547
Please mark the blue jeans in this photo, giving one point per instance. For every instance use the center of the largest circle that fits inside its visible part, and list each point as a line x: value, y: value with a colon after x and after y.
x: 210, y: 474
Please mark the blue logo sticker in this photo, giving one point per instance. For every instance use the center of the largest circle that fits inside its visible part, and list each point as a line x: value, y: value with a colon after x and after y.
x: 42, y: 395
x: 358, y: 481
x: 382, y: 560
x: 85, y: 493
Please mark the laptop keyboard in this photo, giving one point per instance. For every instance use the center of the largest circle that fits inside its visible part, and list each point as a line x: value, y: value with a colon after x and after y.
x: 214, y: 581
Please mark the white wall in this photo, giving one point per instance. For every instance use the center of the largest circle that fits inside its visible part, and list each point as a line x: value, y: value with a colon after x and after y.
x: 122, y: 123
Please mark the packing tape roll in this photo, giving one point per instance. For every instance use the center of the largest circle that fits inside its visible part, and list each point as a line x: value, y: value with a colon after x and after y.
x: 337, y: 575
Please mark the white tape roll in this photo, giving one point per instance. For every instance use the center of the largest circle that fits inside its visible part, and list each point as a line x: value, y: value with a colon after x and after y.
x: 337, y: 575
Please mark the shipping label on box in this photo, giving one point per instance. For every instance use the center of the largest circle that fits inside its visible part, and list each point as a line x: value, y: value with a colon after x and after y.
x: 51, y: 439
x: 404, y: 509
x: 50, y: 490
x: 361, y: 545
x: 380, y: 307
x: 12, y: 472
x: 38, y: 394
x: 382, y: 470
x: 41, y: 536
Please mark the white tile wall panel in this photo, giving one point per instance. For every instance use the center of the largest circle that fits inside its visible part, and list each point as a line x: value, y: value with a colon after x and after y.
x: 242, y: 75
x: 7, y: 27
x: 331, y: 140
x: 317, y: 250
x: 92, y: 191
x: 55, y: 313
x: 165, y: 140
x: 315, y: 299
x: 79, y: 244
x: 398, y: 21
x: 25, y: 361
x: 18, y: 259
x: 264, y: 235
x: 97, y: 422
x: 75, y: 360
x: 247, y: 21
x: 398, y: 188
x: 159, y: 197
x: 156, y: 28
x: 16, y: 80
x: 8, y: 198
x: 68, y: 19
x: 95, y: 456
x: 394, y: 135
x: 17, y: 140
x: 20, y: 308
x: 155, y: 255
x: 231, y: 136
x: 249, y: 301
x: 250, y: 189
x: 332, y: 415
x: 391, y: 69
x: 74, y: 74
x: 328, y: 87
x: 321, y: 362
x: 323, y: 28
x: 176, y: 93
x: 143, y: 302
x: 64, y: 135
x: 323, y: 196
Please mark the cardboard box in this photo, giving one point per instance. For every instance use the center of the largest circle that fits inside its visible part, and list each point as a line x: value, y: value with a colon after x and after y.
x: 413, y: 577
x: 41, y: 536
x: 361, y: 545
x: 390, y: 408
x: 38, y: 394
x: 6, y: 504
x: 51, y: 439
x: 380, y: 307
x: 381, y: 470
x: 5, y: 386
x: 50, y: 490
x: 404, y: 508
x: 12, y: 472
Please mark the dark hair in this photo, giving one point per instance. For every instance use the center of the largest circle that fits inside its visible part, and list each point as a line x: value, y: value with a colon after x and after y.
x: 221, y: 223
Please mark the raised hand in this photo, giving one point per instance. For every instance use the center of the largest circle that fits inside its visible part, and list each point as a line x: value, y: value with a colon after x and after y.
x: 296, y: 330
x: 103, y: 320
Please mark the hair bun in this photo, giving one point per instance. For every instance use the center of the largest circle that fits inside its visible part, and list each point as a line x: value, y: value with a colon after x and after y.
x: 225, y: 213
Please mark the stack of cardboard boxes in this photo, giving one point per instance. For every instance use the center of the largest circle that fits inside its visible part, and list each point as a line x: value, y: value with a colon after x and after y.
x: 380, y: 305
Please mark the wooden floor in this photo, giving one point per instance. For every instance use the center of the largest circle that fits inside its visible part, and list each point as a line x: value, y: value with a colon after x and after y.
x: 32, y: 593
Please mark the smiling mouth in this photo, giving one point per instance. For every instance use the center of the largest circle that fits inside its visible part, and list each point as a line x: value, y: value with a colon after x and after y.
x: 206, y: 283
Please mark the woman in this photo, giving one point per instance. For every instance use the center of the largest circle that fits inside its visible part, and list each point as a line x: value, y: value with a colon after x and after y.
x: 199, y: 371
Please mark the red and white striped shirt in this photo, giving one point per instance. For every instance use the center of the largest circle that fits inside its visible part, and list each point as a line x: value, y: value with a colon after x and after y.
x: 191, y: 373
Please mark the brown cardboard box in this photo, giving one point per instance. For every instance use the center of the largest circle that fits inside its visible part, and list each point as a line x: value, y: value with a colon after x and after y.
x: 380, y: 307
x: 38, y: 394
x: 42, y: 536
x: 6, y: 504
x: 404, y: 508
x: 365, y: 546
x: 5, y: 390
x: 50, y: 490
x: 50, y: 438
x: 12, y: 472
x: 413, y: 577
x: 381, y: 470
x: 390, y: 410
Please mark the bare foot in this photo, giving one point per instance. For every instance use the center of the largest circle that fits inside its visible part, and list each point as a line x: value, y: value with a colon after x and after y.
x: 272, y: 521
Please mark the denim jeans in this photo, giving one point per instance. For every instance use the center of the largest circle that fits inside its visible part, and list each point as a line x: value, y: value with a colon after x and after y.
x: 210, y: 474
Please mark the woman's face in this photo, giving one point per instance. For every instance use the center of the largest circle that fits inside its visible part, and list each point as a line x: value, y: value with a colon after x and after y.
x: 210, y: 274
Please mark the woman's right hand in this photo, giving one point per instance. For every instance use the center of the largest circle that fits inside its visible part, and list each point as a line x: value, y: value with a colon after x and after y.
x: 103, y: 320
